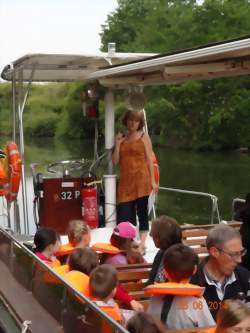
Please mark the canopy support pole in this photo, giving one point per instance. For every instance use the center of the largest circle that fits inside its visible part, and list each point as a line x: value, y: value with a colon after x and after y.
x: 21, y: 104
x: 110, y: 178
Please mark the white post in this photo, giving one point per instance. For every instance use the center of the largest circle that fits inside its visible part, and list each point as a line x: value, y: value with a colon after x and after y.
x: 110, y: 179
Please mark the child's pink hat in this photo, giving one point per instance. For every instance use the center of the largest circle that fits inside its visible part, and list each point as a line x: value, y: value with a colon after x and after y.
x: 125, y: 230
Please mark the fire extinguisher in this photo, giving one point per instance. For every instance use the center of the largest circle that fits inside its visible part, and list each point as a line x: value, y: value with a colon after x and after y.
x: 89, y: 204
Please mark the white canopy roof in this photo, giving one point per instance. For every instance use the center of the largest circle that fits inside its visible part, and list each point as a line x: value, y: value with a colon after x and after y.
x: 64, y: 67
x: 228, y: 58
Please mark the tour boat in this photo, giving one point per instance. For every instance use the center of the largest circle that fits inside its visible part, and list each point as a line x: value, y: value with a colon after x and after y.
x: 33, y: 303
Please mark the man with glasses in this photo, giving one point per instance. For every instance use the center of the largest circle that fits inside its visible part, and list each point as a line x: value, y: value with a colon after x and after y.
x: 221, y: 273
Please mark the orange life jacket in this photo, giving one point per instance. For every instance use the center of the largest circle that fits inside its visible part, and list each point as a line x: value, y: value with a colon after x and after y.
x: 208, y: 330
x: 111, y: 310
x: 60, y: 270
x: 79, y: 281
x: 55, y: 263
x: 3, y: 177
x: 65, y: 249
x: 172, y: 288
x: 105, y: 248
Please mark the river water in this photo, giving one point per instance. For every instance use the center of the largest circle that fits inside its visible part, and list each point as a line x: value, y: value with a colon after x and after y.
x: 224, y: 174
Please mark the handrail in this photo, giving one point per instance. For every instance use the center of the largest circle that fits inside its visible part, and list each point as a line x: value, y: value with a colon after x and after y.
x: 215, y: 208
x: 82, y: 297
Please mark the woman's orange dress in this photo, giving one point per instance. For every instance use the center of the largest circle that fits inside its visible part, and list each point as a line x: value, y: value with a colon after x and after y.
x: 135, y: 181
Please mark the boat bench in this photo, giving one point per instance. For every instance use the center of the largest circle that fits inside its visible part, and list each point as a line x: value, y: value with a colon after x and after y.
x: 134, y: 277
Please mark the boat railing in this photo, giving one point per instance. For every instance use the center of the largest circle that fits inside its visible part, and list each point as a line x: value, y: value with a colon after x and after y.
x: 68, y: 306
x: 215, y: 209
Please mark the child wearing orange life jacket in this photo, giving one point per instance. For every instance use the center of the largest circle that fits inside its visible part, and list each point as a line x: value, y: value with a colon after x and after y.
x: 177, y: 303
x: 83, y: 261
x: 78, y: 236
x: 47, y: 243
x: 123, y: 238
x: 102, y: 288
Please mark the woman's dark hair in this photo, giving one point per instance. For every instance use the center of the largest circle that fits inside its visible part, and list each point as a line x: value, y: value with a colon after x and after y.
x: 166, y: 231
x: 120, y: 242
x: 134, y: 115
x: 83, y: 260
x: 43, y: 238
x: 128, y: 246
x: 143, y: 322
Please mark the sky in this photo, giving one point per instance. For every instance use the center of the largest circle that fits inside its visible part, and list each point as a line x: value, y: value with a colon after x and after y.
x: 51, y: 26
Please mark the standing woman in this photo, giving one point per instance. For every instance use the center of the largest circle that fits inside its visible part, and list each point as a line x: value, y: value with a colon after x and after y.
x: 133, y: 153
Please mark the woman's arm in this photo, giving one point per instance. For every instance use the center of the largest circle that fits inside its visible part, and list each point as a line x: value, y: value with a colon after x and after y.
x: 116, y: 153
x: 148, y: 149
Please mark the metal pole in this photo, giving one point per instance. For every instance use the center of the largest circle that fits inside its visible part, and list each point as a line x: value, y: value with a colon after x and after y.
x: 20, y: 113
x: 14, y: 106
x: 16, y: 206
x: 109, y: 178
x: 109, y: 126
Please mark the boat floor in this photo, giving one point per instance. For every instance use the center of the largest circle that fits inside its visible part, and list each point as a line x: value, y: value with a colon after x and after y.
x: 25, y: 305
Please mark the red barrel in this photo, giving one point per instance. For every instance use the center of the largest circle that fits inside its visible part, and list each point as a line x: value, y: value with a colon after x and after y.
x: 89, y: 206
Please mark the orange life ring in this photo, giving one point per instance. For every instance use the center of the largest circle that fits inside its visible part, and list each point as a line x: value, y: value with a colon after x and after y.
x: 156, y: 171
x: 14, y: 171
x: 172, y: 288
x: 105, y: 248
x: 3, y: 175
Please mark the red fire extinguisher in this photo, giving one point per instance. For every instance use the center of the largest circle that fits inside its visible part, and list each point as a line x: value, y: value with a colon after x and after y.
x: 89, y: 206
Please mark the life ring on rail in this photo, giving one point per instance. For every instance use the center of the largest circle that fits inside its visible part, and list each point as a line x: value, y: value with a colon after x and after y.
x: 14, y: 171
x: 105, y: 248
x: 156, y: 171
x: 172, y: 288
x: 3, y: 172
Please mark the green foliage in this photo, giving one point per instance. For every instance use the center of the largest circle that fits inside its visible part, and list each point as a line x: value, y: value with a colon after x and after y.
x: 199, y: 115
x: 5, y: 109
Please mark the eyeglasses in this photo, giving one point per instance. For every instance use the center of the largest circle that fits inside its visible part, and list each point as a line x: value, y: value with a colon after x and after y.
x: 234, y: 255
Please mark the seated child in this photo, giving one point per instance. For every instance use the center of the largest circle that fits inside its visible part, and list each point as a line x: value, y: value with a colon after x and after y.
x: 81, y: 263
x: 123, y: 238
x: 47, y: 243
x: 84, y: 261
x: 233, y: 316
x: 181, y: 309
x: 78, y: 235
x: 102, y: 288
x: 144, y: 323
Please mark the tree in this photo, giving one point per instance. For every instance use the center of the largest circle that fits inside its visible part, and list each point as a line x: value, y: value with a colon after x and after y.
x: 201, y: 114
